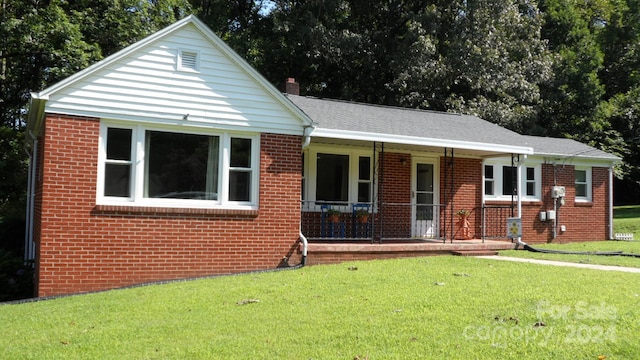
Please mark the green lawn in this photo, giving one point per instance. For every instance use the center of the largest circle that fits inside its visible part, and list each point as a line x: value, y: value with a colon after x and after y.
x: 631, y: 247
x: 441, y: 307
x: 626, y: 219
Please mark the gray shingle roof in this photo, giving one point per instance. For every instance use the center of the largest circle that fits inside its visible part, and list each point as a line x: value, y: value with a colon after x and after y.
x: 387, y: 120
x: 349, y: 116
x: 565, y: 147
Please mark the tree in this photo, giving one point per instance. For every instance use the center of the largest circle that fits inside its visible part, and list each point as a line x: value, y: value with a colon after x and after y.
x: 42, y: 42
x: 477, y: 57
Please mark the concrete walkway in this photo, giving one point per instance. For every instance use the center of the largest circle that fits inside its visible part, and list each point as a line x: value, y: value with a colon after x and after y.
x: 562, y: 263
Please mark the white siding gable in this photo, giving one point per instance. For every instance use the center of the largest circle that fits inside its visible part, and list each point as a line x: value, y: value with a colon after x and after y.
x: 180, y: 77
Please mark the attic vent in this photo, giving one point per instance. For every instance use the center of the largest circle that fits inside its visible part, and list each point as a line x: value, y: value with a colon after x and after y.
x: 188, y: 60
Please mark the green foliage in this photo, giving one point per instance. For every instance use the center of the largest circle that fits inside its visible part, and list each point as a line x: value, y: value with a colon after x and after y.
x: 16, y: 277
x: 435, y: 307
x: 46, y: 41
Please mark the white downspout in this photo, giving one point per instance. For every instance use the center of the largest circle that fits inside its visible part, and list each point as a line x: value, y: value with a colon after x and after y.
x: 305, y: 243
x: 29, y: 246
x: 610, y: 202
x: 305, y: 247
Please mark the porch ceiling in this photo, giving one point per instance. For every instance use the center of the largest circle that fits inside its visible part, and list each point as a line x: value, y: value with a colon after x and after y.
x: 409, y: 148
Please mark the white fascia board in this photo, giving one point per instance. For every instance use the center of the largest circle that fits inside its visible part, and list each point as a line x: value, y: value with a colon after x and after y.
x: 578, y: 157
x: 580, y: 160
x: 410, y: 140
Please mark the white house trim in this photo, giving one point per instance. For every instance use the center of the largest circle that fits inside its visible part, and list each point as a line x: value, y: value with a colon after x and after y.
x: 419, y: 141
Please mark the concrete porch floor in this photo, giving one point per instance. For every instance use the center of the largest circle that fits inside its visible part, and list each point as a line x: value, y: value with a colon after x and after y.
x: 328, y: 252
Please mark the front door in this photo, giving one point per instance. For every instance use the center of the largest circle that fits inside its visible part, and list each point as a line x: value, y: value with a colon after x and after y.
x: 423, y: 192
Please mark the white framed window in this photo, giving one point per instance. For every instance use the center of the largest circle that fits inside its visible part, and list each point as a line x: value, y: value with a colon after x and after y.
x: 500, y: 180
x: 583, y: 183
x: 167, y: 167
x: 339, y: 176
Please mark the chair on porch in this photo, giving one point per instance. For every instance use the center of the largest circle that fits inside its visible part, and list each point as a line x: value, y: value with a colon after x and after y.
x: 361, y: 222
x: 331, y: 225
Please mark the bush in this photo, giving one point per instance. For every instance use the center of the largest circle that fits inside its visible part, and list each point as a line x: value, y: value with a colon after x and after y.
x: 16, y: 277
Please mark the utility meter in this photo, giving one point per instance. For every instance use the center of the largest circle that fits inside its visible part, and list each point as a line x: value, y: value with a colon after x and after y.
x: 557, y: 192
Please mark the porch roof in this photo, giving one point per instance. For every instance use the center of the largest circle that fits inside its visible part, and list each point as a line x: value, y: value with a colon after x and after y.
x: 349, y: 121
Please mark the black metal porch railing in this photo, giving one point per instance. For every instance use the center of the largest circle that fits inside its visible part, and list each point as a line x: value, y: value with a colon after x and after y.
x: 364, y: 221
x: 494, y: 220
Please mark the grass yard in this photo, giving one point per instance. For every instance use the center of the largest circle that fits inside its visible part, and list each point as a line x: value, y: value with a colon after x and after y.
x: 631, y: 247
x: 441, y: 307
x: 626, y: 219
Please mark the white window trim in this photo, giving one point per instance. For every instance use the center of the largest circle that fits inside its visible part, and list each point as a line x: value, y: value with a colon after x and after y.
x: 138, y: 159
x: 310, y: 175
x: 587, y: 170
x: 497, y: 180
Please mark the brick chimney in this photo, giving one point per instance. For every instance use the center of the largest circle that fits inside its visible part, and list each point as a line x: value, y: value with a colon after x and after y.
x: 291, y: 87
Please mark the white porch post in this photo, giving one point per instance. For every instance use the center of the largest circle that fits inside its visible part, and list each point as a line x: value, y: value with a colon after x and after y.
x: 519, y: 186
x: 610, y: 203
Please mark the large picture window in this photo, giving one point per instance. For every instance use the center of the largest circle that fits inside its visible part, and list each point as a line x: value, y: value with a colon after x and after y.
x: 151, y: 167
x: 181, y: 166
x: 333, y: 177
x: 337, y: 176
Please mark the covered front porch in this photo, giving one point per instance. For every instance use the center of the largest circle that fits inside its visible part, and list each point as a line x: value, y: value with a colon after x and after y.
x: 403, y: 223
x: 412, y: 173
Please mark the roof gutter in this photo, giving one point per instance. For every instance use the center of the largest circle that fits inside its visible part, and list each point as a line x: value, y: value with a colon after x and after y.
x: 307, y: 136
x: 35, y: 115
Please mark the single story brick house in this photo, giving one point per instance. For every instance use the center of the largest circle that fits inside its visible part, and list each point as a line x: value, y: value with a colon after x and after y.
x: 174, y: 158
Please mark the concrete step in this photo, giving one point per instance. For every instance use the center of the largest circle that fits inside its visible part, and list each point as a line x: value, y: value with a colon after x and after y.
x: 474, y: 252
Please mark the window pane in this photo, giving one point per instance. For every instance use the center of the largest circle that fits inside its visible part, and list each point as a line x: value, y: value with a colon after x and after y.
x: 332, y: 177
x: 531, y: 173
x: 364, y: 192
x: 424, y: 212
x: 364, y: 168
x: 581, y: 176
x: 581, y: 190
x: 488, y: 171
x: 181, y: 166
x: 239, y: 185
x: 119, y: 144
x: 117, y: 180
x: 488, y: 187
x: 240, y: 153
x: 508, y: 180
x: 424, y: 177
x: 531, y: 189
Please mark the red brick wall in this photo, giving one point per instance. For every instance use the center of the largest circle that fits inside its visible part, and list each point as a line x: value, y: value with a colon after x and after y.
x: 467, y: 194
x: 395, y: 188
x: 84, y: 247
x: 583, y: 221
